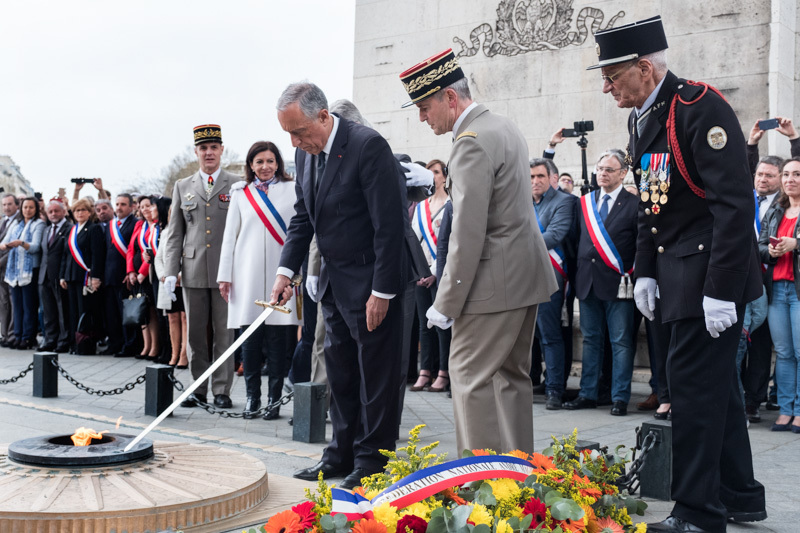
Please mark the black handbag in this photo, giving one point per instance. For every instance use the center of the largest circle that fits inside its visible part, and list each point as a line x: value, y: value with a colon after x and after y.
x: 134, y: 308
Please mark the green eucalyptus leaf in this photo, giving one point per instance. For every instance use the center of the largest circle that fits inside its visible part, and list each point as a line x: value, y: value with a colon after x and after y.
x: 485, y: 496
x: 437, y: 524
x: 531, y: 480
x: 513, y: 522
x: 552, y: 496
x: 326, y: 523
x: 340, y: 520
x: 481, y: 528
x: 467, y: 453
x: 461, y: 515
x: 526, y: 522
x: 566, y: 508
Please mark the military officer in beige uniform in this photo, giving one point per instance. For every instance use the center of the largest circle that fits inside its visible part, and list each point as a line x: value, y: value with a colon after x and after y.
x: 497, y: 270
x: 197, y: 223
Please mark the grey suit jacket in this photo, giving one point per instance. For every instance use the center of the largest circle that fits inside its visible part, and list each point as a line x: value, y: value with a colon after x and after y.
x: 497, y: 259
x: 197, y: 223
x: 4, y: 253
x: 556, y: 212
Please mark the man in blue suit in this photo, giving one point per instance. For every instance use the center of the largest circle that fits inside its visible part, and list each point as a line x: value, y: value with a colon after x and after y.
x: 118, y: 233
x: 349, y: 194
x: 605, y: 256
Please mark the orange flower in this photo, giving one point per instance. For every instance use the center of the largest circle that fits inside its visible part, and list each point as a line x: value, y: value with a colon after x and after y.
x: 542, y: 463
x: 590, y: 518
x: 368, y: 526
x: 571, y: 525
x: 451, y: 495
x: 359, y: 491
x: 519, y: 454
x: 285, y: 522
x: 480, y: 452
x: 591, y: 492
x: 607, y: 525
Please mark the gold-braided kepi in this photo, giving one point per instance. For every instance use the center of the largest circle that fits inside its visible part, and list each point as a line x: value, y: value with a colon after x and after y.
x: 207, y: 133
x: 431, y: 76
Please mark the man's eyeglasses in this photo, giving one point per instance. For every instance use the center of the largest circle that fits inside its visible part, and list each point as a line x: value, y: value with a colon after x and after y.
x: 611, y: 78
x: 606, y: 169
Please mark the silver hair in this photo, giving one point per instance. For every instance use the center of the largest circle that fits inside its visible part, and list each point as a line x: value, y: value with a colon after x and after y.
x: 547, y: 163
x: 348, y: 110
x: 51, y: 203
x: 308, y: 96
x: 461, y: 87
x: 659, y: 61
x: 617, y: 154
x: 103, y: 201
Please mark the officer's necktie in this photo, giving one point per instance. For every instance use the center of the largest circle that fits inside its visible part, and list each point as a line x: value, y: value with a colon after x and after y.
x: 320, y: 170
x: 642, y: 121
x: 210, y: 183
x: 604, y: 208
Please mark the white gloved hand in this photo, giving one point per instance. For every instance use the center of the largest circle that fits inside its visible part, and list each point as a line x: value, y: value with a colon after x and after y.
x: 435, y: 318
x: 720, y: 315
x: 417, y: 175
x: 312, y: 286
x: 644, y: 294
x: 170, y: 282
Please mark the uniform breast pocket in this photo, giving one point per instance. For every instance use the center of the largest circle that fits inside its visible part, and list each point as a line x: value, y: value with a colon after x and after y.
x: 189, y: 210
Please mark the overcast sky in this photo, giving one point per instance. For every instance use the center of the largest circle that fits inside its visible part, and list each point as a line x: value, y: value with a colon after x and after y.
x: 113, y: 89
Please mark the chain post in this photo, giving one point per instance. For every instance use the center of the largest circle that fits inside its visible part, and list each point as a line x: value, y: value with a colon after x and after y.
x: 308, y: 423
x: 158, y: 389
x: 89, y: 390
x: 45, y: 375
x: 19, y: 376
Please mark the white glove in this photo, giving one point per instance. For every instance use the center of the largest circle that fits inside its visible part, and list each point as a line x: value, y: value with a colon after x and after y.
x: 170, y: 282
x: 644, y: 294
x: 435, y: 318
x: 720, y: 315
x: 417, y: 175
x: 312, y: 286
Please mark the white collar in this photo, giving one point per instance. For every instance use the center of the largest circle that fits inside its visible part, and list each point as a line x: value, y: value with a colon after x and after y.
x: 332, y: 136
x: 650, y: 99
x: 215, y: 175
x: 462, y: 116
x: 613, y: 194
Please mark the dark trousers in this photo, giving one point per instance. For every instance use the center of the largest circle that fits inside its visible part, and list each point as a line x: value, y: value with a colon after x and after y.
x: 55, y: 307
x: 434, y: 345
x: 712, y: 461
x: 300, y: 371
x: 80, y: 304
x: 364, y: 376
x: 270, y: 344
x: 658, y: 347
x: 756, y: 373
x: 408, y: 313
x: 548, y: 330
x: 25, y: 304
x: 119, y: 336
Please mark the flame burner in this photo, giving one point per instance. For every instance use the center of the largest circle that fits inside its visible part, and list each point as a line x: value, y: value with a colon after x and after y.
x: 58, y: 451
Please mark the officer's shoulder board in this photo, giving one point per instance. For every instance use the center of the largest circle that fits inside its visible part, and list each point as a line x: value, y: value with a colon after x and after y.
x: 690, y: 91
x: 467, y: 134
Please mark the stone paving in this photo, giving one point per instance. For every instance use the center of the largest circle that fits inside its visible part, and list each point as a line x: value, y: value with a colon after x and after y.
x: 22, y: 415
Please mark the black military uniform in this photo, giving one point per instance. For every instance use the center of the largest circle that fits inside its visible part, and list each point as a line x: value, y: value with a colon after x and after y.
x: 696, y: 240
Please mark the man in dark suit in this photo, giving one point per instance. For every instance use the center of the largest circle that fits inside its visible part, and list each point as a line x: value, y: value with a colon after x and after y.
x: 349, y: 195
x: 11, y: 213
x: 118, y: 233
x: 606, y: 250
x: 55, y: 307
x: 696, y: 252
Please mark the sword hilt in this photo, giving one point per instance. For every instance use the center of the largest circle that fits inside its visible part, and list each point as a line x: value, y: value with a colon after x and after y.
x: 297, y: 280
x: 267, y: 305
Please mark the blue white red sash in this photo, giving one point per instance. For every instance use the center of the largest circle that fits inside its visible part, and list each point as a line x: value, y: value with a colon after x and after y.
x: 757, y: 221
x: 426, y: 482
x: 425, y: 224
x: 267, y: 213
x: 600, y: 238
x: 116, y: 237
x: 144, y: 236
x: 154, y: 232
x: 556, y: 255
x: 72, y: 243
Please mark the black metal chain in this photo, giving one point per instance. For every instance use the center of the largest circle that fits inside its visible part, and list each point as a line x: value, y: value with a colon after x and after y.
x: 90, y: 390
x: 238, y: 414
x: 18, y: 376
x: 175, y: 383
x: 630, y: 480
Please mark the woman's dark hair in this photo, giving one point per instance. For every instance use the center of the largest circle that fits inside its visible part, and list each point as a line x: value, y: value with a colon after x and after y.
x: 437, y: 162
x: 783, y: 199
x: 162, y: 204
x: 256, y: 149
x: 37, y: 213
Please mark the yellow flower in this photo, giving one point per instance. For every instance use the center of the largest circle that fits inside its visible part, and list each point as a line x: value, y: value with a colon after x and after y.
x: 503, y: 488
x: 480, y: 515
x: 641, y: 527
x: 386, y: 515
x: 418, y: 509
x: 503, y: 527
x: 371, y: 494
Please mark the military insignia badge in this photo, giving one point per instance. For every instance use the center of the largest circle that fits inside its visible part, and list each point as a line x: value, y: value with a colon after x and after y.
x: 224, y: 197
x: 189, y: 196
x: 717, y: 138
x: 597, y: 49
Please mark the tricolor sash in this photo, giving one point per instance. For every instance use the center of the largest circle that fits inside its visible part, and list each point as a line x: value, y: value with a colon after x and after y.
x: 605, y: 246
x: 116, y: 237
x: 556, y: 255
x: 426, y: 482
x: 144, y: 236
x: 154, y: 232
x: 72, y: 243
x: 757, y: 221
x: 425, y: 224
x: 267, y: 213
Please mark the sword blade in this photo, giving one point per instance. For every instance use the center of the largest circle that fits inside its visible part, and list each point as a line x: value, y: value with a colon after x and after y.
x: 202, y: 379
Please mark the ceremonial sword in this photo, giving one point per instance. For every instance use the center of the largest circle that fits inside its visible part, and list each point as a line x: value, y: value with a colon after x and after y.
x: 269, y: 308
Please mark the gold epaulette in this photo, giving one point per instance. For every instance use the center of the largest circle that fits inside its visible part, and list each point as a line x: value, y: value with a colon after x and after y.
x: 467, y: 134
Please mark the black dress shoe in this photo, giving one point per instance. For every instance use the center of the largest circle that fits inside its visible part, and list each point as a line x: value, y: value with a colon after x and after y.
x: 223, y: 401
x: 250, y: 407
x: 753, y: 413
x: 580, y: 403
x: 539, y: 389
x: 61, y: 349
x: 552, y: 401
x: 47, y: 347
x: 193, y: 399
x: 772, y: 405
x: 662, y: 416
x: 675, y: 525
x: 353, y: 479
x: 747, y: 516
x: 328, y: 471
x: 619, y: 409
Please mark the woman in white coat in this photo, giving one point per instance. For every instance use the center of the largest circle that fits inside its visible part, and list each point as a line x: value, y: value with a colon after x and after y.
x: 255, y: 229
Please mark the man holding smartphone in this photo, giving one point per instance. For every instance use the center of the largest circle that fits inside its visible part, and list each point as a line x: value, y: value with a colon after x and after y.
x: 782, y: 125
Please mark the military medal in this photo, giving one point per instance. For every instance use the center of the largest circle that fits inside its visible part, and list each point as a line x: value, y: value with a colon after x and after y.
x: 654, y: 197
x: 664, y: 186
x: 662, y: 199
x: 645, y: 196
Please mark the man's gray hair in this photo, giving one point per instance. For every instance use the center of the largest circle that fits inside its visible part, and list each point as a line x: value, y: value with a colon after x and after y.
x: 308, y: 96
x: 773, y: 160
x: 659, y: 60
x: 56, y: 203
x: 617, y: 154
x: 6, y: 195
x: 461, y: 87
x: 348, y: 110
x: 548, y: 164
x: 103, y: 201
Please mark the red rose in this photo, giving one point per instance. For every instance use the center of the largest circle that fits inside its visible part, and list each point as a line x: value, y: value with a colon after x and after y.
x: 411, y: 524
